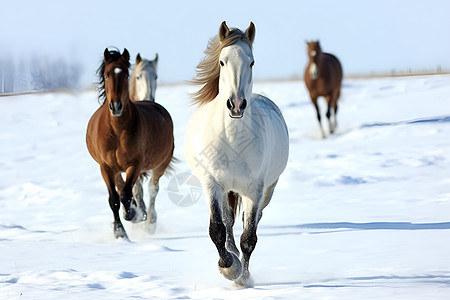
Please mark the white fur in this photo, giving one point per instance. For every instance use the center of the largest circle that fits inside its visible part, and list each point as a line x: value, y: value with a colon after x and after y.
x: 117, y: 70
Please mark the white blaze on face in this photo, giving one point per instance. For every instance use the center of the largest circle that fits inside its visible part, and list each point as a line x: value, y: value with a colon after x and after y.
x: 236, y: 81
x: 117, y: 70
x: 313, y: 53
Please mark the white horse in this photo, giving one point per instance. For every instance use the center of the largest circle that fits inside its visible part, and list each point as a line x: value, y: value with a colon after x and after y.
x: 142, y: 80
x: 142, y: 87
x: 237, y: 145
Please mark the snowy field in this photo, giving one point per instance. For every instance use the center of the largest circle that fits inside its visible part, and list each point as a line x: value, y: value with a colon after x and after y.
x: 364, y: 214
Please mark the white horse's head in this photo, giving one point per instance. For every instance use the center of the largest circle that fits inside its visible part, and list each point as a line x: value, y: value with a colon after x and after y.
x: 143, y: 79
x: 236, y: 68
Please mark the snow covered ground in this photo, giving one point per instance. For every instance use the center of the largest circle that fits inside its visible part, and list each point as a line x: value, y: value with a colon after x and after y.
x: 364, y: 214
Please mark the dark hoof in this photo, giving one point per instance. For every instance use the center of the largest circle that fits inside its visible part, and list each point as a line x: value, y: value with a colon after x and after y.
x: 129, y: 214
x: 119, y: 232
x: 233, y: 271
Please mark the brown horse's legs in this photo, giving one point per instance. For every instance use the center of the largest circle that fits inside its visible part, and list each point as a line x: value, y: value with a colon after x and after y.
x: 335, y: 107
x: 126, y: 196
x: 316, y: 105
x: 114, y: 202
x: 330, y: 101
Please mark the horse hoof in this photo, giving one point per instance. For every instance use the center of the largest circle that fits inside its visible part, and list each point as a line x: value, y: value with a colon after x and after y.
x: 119, y: 233
x: 129, y: 214
x: 140, y: 216
x: 233, y: 271
x: 244, y: 281
x: 151, y: 227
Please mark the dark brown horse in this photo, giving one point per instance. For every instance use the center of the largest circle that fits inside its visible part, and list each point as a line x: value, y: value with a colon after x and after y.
x: 130, y: 137
x: 323, y: 77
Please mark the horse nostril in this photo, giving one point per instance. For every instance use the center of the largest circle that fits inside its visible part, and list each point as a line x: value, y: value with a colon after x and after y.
x: 243, y: 105
x: 111, y: 107
x: 230, y: 104
x: 119, y: 106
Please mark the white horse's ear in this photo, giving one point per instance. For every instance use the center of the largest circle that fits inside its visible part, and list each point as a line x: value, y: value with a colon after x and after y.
x: 250, y: 32
x: 138, y: 58
x: 155, y: 60
x: 126, y: 55
x: 224, y: 31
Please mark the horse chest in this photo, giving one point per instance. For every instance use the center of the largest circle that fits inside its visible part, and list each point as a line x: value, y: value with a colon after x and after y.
x: 119, y: 151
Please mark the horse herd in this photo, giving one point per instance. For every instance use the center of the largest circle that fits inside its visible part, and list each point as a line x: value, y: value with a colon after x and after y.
x: 236, y: 143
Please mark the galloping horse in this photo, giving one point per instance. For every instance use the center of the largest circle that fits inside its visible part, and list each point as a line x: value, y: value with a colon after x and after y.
x: 130, y: 137
x: 237, y: 145
x: 143, y: 79
x: 323, y: 76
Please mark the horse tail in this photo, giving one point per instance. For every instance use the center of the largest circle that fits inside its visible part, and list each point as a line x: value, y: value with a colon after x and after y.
x: 170, y: 167
x: 173, y: 160
x: 235, y: 202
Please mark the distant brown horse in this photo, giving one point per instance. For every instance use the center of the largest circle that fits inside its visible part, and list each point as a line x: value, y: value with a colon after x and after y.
x: 323, y: 77
x: 130, y: 137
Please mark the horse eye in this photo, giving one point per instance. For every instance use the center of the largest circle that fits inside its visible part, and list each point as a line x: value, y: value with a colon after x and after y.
x: 105, y: 76
x: 138, y: 77
x: 252, y: 64
x: 221, y: 63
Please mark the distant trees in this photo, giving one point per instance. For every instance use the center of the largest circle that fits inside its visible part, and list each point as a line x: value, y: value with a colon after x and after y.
x: 38, y: 74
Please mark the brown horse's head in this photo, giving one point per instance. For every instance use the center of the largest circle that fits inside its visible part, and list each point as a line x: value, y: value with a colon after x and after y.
x: 313, y: 49
x: 113, y: 77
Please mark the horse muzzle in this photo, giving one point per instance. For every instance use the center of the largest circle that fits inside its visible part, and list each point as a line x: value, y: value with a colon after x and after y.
x: 116, y: 108
x: 236, y: 107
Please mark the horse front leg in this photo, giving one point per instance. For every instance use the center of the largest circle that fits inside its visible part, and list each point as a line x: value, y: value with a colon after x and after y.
x: 229, y: 264
x: 126, y: 196
x: 319, y: 118
x: 114, y: 201
x: 248, y: 239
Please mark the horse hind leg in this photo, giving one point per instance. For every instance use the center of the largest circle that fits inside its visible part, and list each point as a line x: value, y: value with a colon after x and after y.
x: 153, y: 189
x: 329, y: 99
x: 336, y: 95
x: 138, y: 195
x: 229, y: 210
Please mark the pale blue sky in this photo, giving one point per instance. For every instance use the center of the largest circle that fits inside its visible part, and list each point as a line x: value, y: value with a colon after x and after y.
x: 367, y: 36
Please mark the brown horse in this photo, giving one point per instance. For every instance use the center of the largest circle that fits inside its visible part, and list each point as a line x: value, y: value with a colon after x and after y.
x: 323, y: 77
x: 130, y: 137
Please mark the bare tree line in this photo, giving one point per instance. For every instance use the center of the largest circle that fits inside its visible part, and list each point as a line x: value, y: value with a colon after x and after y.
x: 39, y: 73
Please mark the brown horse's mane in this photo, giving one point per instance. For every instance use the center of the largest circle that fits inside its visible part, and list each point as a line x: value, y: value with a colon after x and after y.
x: 114, y: 56
x: 208, y: 69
